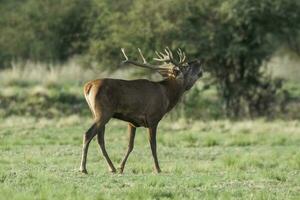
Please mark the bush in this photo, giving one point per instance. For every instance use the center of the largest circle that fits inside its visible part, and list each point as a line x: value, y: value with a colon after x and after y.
x: 236, y: 39
x: 42, y: 30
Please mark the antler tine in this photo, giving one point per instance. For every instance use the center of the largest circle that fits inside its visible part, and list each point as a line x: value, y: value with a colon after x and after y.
x: 162, y: 57
x: 158, y: 55
x: 179, y: 51
x: 162, y: 54
x: 184, y: 57
x: 181, y: 55
x: 141, y: 54
x: 144, y: 64
x: 169, y: 52
x: 123, y: 51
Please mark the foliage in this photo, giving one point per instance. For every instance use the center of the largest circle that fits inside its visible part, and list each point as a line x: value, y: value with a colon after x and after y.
x: 42, y: 30
x: 235, y: 38
x: 148, y: 25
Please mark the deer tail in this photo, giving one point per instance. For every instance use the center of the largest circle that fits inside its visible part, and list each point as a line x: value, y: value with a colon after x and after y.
x: 88, y: 97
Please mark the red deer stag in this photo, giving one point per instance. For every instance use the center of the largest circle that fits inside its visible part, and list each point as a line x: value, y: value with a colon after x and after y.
x: 139, y: 102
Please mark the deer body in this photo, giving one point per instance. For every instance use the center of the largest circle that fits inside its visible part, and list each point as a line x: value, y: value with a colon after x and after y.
x: 141, y: 103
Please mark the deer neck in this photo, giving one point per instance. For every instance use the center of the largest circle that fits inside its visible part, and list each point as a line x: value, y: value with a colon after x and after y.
x: 174, y: 89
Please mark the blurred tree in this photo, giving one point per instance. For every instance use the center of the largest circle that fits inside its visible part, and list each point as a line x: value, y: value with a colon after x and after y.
x: 148, y: 25
x: 42, y: 30
x: 236, y: 38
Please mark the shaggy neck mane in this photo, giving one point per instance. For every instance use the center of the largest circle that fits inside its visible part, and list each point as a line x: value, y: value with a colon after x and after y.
x: 174, y: 89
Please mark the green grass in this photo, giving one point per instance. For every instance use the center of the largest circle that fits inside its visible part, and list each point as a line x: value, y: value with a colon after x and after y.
x: 201, y: 160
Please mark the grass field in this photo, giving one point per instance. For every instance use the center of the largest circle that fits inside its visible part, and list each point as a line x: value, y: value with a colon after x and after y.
x: 200, y: 160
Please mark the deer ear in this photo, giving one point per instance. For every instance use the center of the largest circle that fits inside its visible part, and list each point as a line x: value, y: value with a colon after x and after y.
x: 198, y: 61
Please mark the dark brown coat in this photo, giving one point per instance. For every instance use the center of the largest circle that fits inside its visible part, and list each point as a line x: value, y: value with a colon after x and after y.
x: 141, y: 103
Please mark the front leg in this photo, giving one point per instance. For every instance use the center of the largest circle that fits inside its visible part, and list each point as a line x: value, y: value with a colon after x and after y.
x: 131, y: 135
x: 152, y: 140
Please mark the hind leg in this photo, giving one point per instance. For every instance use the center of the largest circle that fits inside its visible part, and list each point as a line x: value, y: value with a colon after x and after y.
x: 87, y: 137
x: 101, y: 142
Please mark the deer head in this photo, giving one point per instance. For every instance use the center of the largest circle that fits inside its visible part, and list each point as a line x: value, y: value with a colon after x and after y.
x: 182, y: 71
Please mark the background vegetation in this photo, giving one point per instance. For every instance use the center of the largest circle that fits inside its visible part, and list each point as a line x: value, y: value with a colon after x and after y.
x: 235, y: 38
x: 235, y: 134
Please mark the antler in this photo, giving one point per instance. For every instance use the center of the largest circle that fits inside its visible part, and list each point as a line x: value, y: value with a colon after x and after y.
x: 169, y: 64
x: 165, y: 57
x: 144, y: 64
x: 181, y: 56
x: 168, y: 57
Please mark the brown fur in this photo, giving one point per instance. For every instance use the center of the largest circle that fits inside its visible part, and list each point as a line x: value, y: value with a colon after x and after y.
x: 118, y: 99
x: 141, y: 103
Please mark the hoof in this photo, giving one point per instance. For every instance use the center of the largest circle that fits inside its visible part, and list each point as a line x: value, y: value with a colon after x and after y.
x: 113, y: 171
x: 83, y: 171
x: 121, y: 169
